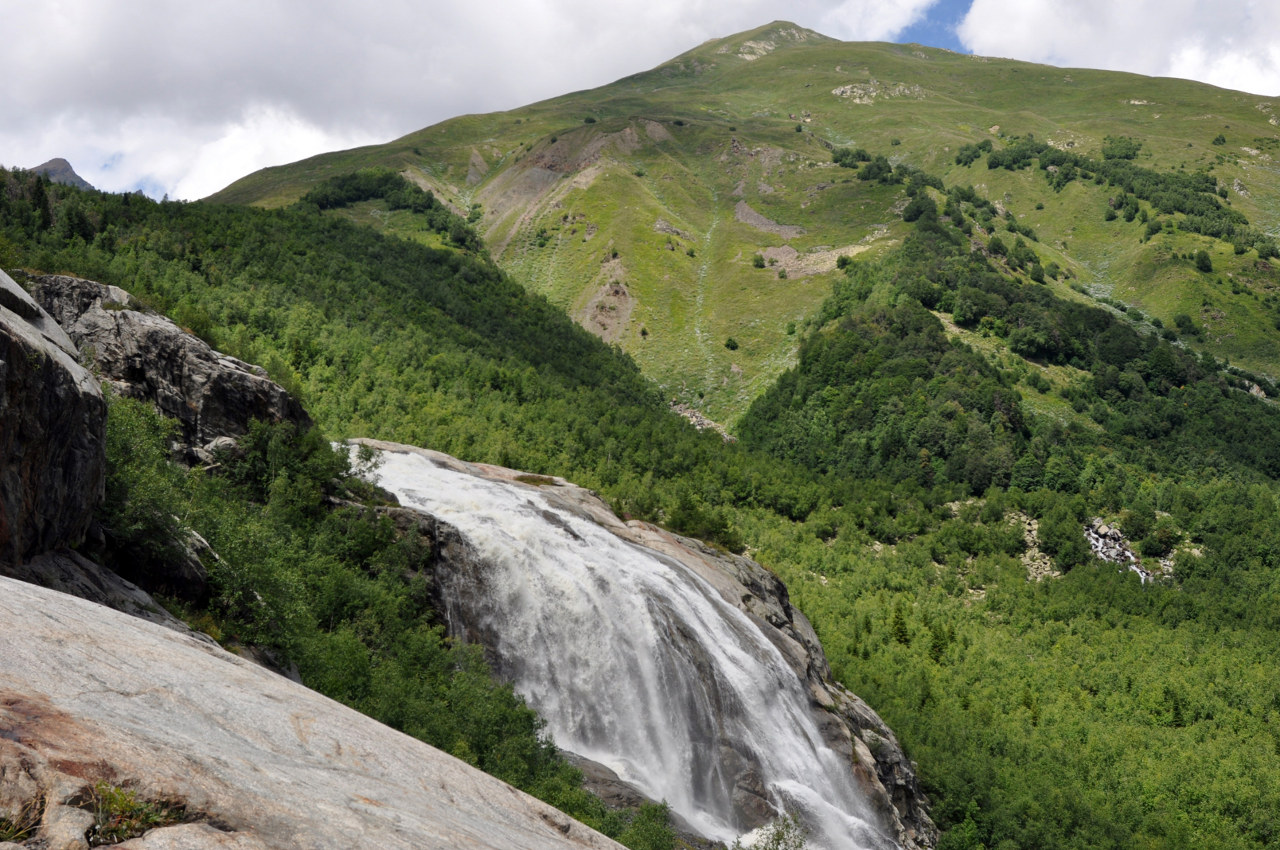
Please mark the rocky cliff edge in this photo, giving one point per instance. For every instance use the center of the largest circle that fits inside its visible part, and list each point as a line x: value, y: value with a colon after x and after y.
x: 53, y: 422
x: 146, y: 356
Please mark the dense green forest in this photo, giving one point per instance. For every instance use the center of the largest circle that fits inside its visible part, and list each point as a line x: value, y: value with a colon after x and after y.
x: 1086, y: 711
x: 945, y: 400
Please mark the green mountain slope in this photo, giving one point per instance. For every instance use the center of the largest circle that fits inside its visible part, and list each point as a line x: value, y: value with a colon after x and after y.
x: 921, y: 479
x: 1047, y: 275
x: 639, y: 207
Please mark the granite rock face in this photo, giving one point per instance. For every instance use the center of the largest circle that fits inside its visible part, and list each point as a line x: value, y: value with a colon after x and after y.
x: 146, y: 356
x: 88, y: 694
x: 52, y: 425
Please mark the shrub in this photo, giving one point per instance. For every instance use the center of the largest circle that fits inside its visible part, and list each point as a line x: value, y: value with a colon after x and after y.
x: 847, y: 158
x: 1120, y: 147
x: 119, y: 815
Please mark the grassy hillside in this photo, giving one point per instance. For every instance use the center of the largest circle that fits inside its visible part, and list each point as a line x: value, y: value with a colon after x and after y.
x: 638, y: 207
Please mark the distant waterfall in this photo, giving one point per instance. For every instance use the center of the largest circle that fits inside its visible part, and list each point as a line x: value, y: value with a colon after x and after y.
x: 634, y: 661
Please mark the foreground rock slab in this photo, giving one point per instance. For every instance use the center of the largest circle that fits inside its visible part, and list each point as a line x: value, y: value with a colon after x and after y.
x: 88, y: 694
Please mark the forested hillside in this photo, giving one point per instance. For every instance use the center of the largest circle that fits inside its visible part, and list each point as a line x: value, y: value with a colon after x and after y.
x: 1040, y: 341
x: 970, y: 444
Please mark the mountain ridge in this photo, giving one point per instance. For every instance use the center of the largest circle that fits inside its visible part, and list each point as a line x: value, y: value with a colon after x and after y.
x: 692, y: 168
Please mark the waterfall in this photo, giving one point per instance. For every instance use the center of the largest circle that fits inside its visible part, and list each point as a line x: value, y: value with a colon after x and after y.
x: 634, y: 661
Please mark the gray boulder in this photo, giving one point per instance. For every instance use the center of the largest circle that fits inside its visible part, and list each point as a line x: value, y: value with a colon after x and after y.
x: 52, y: 425
x: 146, y: 356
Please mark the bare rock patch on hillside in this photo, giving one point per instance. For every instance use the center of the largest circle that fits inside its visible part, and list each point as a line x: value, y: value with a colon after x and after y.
x: 476, y: 168
x: 609, y: 311
x: 798, y: 265
x: 745, y: 214
x: 873, y: 90
x: 657, y: 132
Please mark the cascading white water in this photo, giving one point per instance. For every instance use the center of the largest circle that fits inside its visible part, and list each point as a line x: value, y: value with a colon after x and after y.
x: 633, y: 660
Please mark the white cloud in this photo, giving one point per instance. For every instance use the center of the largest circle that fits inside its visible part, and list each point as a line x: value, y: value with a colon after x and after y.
x: 263, y: 135
x: 186, y: 97
x: 164, y: 155
x: 231, y: 86
x: 874, y: 20
x: 1230, y: 44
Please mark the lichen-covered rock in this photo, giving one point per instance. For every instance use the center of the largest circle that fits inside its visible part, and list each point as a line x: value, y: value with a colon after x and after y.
x: 147, y: 356
x: 88, y: 694
x: 52, y: 424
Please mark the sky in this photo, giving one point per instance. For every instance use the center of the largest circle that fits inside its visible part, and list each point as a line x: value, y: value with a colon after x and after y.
x: 181, y: 99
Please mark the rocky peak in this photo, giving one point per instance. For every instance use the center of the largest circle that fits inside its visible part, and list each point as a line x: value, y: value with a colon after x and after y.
x: 60, y: 171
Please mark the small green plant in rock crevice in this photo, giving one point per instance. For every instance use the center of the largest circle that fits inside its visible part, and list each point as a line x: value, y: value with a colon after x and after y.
x: 119, y: 814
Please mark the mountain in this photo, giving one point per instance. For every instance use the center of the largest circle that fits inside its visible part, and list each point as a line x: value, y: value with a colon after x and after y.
x: 225, y: 419
x: 1018, y: 463
x: 60, y: 171
x: 639, y: 207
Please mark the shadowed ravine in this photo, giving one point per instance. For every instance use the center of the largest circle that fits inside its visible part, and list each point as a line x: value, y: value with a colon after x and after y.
x: 635, y: 661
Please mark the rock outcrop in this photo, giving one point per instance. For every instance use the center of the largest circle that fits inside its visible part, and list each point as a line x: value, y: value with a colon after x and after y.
x: 60, y: 171
x: 850, y: 727
x: 89, y: 695
x: 146, y: 356
x: 52, y: 424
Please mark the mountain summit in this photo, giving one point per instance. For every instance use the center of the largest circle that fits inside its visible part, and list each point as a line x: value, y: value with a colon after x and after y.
x: 60, y: 171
